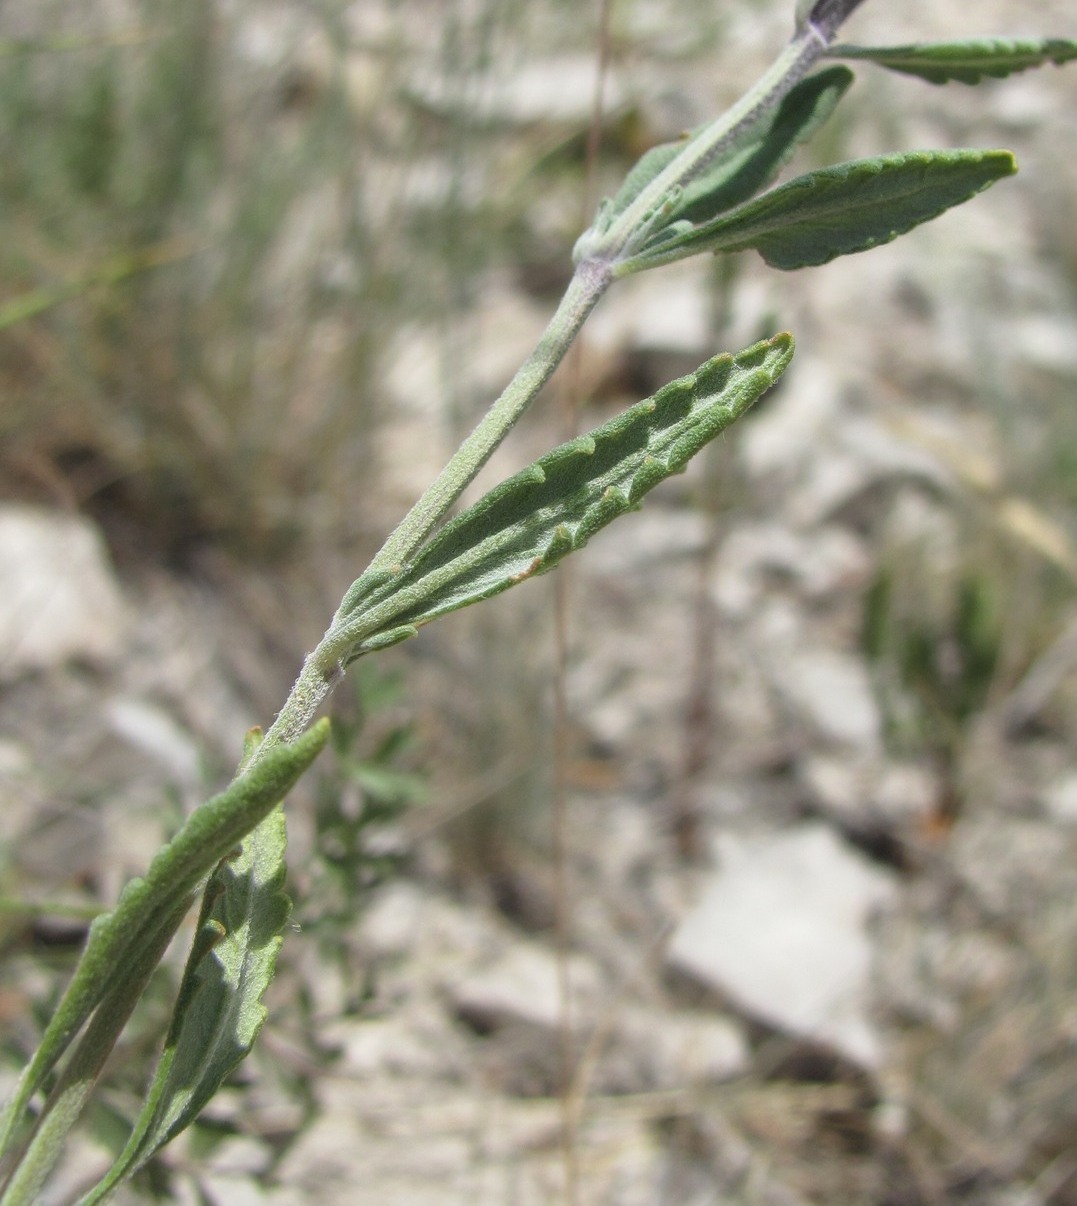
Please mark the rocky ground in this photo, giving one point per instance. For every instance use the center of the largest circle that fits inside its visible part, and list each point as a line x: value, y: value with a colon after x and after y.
x: 818, y: 941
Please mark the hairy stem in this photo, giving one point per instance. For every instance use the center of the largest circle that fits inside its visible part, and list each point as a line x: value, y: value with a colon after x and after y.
x: 322, y: 668
x: 597, y: 254
x: 586, y: 287
x: 630, y: 230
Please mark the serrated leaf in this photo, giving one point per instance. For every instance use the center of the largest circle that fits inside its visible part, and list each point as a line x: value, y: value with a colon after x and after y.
x: 844, y: 209
x: 524, y: 526
x: 210, y: 833
x: 967, y: 62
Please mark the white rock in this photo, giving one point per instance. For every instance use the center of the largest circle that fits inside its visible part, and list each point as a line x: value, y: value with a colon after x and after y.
x: 677, y: 1049
x: 906, y: 792
x: 832, y: 692
x: 239, y: 1155
x: 522, y: 988
x: 1016, y: 864
x: 236, y: 1190
x: 860, y: 455
x: 837, y: 786
x: 1060, y: 799
x: 859, y: 791
x: 151, y: 730
x: 648, y: 541
x: 15, y: 760
x: 790, y: 427
x: 891, y: 453
x: 391, y: 924
x: 667, y: 314
x: 782, y: 933
x: 815, y: 563
x: 833, y: 478
x: 1047, y: 341
x: 407, y: 1044
x: 58, y: 597
x: 557, y: 88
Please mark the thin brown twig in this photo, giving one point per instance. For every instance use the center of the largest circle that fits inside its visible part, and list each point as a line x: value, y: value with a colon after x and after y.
x: 569, y: 1103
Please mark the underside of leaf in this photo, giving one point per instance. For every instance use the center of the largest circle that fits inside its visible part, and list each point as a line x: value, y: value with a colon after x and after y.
x: 844, y: 209
x: 742, y: 170
x: 967, y: 62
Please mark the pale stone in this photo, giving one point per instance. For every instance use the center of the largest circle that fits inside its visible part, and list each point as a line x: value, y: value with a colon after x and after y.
x: 832, y: 691
x: 1060, y: 799
x: 676, y: 1049
x: 392, y: 923
x: 788, y: 431
x: 523, y: 988
x: 782, y: 932
x: 860, y: 791
x: 670, y: 314
x: 59, y: 599
x: 815, y: 564
x: 151, y: 730
x: 560, y: 88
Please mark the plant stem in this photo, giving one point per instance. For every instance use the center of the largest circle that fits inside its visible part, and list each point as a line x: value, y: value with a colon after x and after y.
x: 636, y: 223
x: 322, y: 669
x: 596, y: 254
x: 587, y: 285
x: 319, y: 675
x: 77, y: 1081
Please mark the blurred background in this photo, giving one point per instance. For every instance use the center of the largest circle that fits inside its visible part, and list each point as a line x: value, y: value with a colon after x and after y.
x: 262, y: 265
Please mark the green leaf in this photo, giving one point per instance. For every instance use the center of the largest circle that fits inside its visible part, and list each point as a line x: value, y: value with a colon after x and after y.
x: 524, y: 526
x: 737, y: 179
x: 965, y: 62
x: 840, y: 210
x: 650, y: 165
x: 219, y: 1010
x: 127, y: 982
x: 210, y: 834
x: 742, y: 170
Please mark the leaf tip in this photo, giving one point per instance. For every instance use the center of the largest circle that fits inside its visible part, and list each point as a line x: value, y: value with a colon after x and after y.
x: 252, y: 739
x: 1006, y: 159
x: 321, y: 729
x: 785, y: 345
x: 385, y: 639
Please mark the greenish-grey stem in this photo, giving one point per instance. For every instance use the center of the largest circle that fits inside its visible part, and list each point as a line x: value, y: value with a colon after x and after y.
x: 631, y: 228
x: 586, y: 287
x: 322, y: 668
x: 597, y: 254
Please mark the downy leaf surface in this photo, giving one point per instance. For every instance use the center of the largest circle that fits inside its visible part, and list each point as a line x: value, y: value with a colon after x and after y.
x: 219, y: 1009
x: 967, y: 62
x: 743, y: 169
x: 753, y: 166
x: 209, y: 835
x: 840, y: 210
x: 524, y: 526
